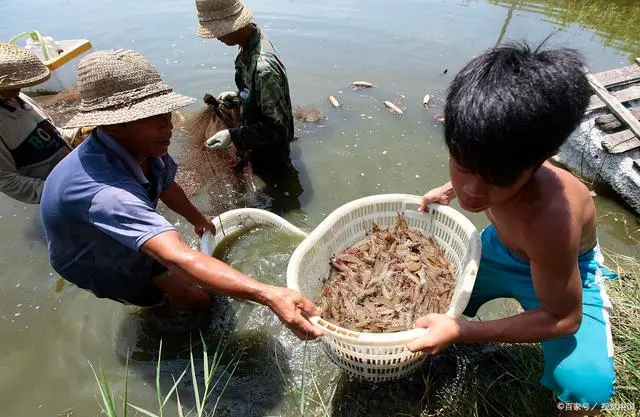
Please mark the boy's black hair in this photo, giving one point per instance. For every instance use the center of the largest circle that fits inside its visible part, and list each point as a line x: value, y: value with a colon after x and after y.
x: 510, y: 108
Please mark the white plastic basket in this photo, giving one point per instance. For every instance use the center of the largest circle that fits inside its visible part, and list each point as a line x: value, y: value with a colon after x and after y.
x: 235, y: 220
x: 382, y: 356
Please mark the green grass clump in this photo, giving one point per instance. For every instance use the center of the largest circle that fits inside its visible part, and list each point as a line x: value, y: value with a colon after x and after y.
x: 625, y: 323
x: 213, y: 376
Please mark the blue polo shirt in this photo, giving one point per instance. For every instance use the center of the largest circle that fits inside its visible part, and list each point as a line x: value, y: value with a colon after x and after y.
x: 98, y: 208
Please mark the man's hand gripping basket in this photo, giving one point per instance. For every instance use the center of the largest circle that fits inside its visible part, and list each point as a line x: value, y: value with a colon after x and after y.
x: 382, y: 356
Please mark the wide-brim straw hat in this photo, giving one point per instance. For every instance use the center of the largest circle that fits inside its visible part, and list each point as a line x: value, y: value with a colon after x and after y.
x: 119, y: 86
x: 218, y: 18
x: 20, y: 68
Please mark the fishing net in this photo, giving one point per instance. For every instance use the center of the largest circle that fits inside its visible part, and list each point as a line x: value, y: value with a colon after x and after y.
x: 61, y: 107
x: 209, y: 178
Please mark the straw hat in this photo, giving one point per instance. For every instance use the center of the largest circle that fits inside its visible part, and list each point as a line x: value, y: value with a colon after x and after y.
x: 20, y: 68
x: 217, y: 18
x: 119, y: 86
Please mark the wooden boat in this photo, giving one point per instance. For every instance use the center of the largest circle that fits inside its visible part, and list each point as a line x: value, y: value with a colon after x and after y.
x: 605, y: 148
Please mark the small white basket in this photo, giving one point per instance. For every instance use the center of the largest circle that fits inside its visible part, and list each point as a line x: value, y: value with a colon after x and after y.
x: 382, y: 356
x: 239, y: 219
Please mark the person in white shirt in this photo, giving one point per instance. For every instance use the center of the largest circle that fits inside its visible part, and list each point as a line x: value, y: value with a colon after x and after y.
x: 30, y: 145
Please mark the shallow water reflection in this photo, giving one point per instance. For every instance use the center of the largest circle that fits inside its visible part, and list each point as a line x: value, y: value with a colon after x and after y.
x: 358, y: 150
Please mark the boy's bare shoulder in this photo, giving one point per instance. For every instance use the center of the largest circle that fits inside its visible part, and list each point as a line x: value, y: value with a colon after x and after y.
x: 561, y: 213
x: 555, y: 192
x: 551, y: 179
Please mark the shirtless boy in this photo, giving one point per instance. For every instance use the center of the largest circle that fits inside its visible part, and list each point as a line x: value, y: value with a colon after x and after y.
x: 507, y: 112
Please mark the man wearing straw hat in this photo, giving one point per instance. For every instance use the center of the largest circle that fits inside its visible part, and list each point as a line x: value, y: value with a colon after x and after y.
x: 99, y: 204
x: 30, y: 146
x: 267, y: 119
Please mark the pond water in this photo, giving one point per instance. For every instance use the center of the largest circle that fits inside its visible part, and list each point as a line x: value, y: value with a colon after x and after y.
x: 261, y: 252
x: 49, y: 333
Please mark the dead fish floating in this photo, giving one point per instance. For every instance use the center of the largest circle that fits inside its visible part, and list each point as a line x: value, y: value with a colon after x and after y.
x: 386, y: 281
x: 362, y: 84
x: 392, y: 107
x: 334, y: 102
x: 426, y: 100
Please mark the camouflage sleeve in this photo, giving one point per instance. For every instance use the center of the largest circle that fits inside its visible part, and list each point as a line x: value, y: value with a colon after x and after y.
x: 271, y: 128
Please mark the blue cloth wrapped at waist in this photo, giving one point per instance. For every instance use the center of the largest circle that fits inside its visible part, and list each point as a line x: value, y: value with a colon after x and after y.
x: 497, y: 257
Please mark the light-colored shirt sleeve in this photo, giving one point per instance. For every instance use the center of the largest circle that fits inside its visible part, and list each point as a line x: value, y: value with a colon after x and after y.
x: 20, y: 187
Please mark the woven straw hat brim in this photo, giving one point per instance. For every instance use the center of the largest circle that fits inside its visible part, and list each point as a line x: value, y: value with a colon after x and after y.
x: 221, y: 27
x: 5, y: 85
x: 20, y: 68
x: 148, y: 107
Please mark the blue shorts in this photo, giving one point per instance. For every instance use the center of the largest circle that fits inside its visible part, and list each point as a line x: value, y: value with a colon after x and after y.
x: 578, y: 368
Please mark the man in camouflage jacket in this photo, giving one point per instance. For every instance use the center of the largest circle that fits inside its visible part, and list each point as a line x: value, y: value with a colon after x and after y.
x: 267, y: 130
x: 263, y: 89
x: 261, y: 78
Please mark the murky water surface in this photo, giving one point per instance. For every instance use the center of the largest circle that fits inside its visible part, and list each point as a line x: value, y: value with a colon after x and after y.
x: 262, y: 252
x: 404, y: 47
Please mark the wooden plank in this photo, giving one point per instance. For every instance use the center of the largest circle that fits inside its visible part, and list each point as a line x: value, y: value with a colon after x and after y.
x: 619, y: 76
x: 613, y: 104
x: 620, y: 142
x: 623, y: 96
x: 609, y: 122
